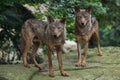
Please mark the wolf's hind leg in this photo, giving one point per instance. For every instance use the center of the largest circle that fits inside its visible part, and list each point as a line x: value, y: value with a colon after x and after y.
x: 33, y: 55
x: 98, y: 43
x: 24, y: 53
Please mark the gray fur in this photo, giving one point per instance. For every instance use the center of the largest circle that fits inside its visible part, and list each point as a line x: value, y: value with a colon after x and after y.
x: 42, y: 32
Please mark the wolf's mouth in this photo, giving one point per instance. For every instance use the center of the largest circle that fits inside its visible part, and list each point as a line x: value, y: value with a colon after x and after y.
x: 82, y: 25
x: 55, y: 36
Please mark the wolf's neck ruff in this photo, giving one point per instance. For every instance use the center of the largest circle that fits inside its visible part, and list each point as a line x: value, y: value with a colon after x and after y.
x: 83, y: 31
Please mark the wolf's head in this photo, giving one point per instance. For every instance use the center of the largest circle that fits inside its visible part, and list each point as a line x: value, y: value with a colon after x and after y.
x: 56, y: 27
x: 82, y: 16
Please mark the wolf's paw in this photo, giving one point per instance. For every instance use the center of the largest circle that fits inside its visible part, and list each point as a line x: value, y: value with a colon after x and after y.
x: 27, y: 65
x: 100, y: 54
x: 64, y: 74
x: 83, y: 64
x: 51, y: 73
x: 38, y: 66
x: 78, y: 64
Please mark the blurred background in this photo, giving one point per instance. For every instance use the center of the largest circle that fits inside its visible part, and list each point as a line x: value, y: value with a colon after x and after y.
x: 13, y: 13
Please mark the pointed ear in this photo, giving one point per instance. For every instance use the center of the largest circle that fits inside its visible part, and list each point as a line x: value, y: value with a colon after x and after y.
x: 77, y: 9
x: 89, y: 9
x: 63, y: 20
x: 50, y: 19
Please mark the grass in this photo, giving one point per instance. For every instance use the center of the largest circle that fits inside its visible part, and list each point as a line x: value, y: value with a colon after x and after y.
x: 106, y: 67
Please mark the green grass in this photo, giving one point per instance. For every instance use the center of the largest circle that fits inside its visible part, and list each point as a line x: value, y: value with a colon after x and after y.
x: 106, y: 67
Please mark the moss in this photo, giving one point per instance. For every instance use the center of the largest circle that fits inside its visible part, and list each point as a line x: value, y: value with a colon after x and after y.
x: 106, y: 67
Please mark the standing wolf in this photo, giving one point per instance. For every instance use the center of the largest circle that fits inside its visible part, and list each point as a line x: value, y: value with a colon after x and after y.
x: 52, y: 33
x: 86, y: 26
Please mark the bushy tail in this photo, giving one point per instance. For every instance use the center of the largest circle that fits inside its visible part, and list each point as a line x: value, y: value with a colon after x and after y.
x: 22, y: 42
x: 24, y: 35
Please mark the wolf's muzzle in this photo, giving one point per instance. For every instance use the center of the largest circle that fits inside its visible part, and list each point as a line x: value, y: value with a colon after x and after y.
x: 55, y: 36
x: 82, y: 24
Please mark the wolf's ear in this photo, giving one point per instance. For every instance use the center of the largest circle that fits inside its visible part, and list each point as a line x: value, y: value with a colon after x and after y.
x: 50, y: 19
x: 89, y: 9
x: 77, y: 9
x: 63, y: 20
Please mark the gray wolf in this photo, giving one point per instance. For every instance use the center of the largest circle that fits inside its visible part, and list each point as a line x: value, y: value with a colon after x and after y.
x: 86, y: 26
x: 52, y: 33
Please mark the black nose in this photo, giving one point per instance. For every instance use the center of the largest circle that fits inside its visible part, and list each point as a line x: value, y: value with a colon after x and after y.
x: 82, y: 24
x: 55, y: 36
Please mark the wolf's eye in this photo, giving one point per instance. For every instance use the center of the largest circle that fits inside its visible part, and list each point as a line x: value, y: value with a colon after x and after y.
x: 53, y: 27
x: 59, y: 27
x: 86, y: 16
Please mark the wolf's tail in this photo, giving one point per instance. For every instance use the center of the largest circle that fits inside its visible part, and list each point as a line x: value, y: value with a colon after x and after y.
x: 27, y: 25
x: 22, y: 44
x: 22, y: 41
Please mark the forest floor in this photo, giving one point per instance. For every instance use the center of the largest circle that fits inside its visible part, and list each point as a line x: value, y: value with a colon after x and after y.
x: 106, y: 67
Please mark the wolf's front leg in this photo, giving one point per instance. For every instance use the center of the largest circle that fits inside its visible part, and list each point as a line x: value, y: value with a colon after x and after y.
x: 59, y: 57
x: 85, y: 53
x: 51, y: 72
x: 98, y: 43
x: 79, y: 62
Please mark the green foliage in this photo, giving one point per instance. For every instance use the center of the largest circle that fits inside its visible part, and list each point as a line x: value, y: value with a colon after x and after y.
x: 112, y: 19
x: 12, y: 16
x: 66, y: 8
x: 107, y: 13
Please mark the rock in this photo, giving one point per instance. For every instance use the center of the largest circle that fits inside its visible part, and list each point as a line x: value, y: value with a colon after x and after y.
x: 43, y: 7
x: 69, y: 46
x: 36, y: 9
x: 40, y: 51
x: 31, y: 8
x: 40, y: 55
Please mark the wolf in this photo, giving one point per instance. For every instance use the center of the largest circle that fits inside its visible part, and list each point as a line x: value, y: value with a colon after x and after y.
x: 51, y: 33
x: 86, y: 27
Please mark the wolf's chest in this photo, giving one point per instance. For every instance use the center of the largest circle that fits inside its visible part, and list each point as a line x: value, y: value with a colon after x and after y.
x: 55, y: 42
